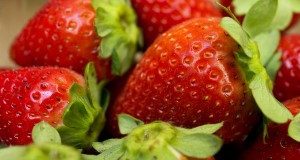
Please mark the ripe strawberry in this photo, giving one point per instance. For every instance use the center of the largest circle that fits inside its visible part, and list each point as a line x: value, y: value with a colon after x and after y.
x: 63, y: 34
x: 50, y: 94
x: 286, y: 83
x: 156, y: 17
x: 190, y: 77
x: 277, y: 145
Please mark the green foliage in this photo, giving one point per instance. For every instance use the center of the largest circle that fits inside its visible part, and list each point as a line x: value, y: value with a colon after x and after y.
x: 159, y: 140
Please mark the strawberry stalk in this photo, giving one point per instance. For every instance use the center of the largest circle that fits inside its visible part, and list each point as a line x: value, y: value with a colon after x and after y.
x: 159, y: 140
x: 84, y: 116
x: 116, y: 23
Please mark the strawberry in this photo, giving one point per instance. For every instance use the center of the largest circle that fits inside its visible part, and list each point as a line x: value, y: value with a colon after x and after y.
x: 155, y: 17
x: 286, y: 83
x: 189, y: 77
x: 59, y: 96
x: 277, y: 144
x: 63, y: 34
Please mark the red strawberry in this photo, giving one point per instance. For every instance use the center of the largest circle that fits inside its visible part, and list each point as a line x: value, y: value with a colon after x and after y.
x: 287, y: 79
x: 190, y: 77
x: 277, y: 145
x: 156, y: 16
x: 63, y: 34
x: 53, y: 95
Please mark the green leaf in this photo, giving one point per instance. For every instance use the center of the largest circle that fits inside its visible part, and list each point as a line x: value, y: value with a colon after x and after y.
x: 127, y: 123
x: 89, y: 157
x: 256, y: 76
x: 42, y: 151
x: 166, y: 152
x: 12, y: 153
x: 105, y: 145
x: 283, y: 16
x: 43, y: 132
x: 74, y: 137
x: 77, y: 116
x: 263, y: 96
x: 113, y: 153
x: 120, y: 58
x: 243, y: 6
x: 190, y: 145
x: 116, y: 24
x: 238, y: 34
x: 267, y: 43
x: 84, y: 117
x: 274, y: 65
x: 159, y: 140
x: 82, y: 137
x: 106, y: 49
x: 260, y: 17
x: 208, y: 129
x: 51, y: 151
x: 295, y: 4
x: 294, y: 128
x: 91, y: 80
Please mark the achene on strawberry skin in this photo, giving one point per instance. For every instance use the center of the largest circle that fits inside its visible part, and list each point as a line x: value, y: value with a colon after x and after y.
x: 156, y: 16
x: 30, y: 95
x: 189, y: 77
x: 59, y: 96
x: 277, y: 145
x: 286, y: 85
x: 61, y: 34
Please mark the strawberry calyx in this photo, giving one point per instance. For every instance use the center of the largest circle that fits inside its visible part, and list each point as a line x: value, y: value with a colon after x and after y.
x: 284, y: 11
x: 84, y: 116
x: 256, y: 75
x: 159, y: 140
x: 259, y: 41
x: 46, y: 146
x: 116, y: 24
x: 294, y: 129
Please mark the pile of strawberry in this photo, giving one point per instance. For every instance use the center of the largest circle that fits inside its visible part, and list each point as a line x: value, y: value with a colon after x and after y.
x: 154, y: 79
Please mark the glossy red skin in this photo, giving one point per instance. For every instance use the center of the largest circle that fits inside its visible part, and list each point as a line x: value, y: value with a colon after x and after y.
x: 189, y: 77
x: 157, y: 16
x: 286, y: 85
x: 278, y: 146
x: 61, y: 34
x: 31, y: 95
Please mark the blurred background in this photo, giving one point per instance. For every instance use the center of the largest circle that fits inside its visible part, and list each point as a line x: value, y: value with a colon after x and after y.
x: 13, y: 16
